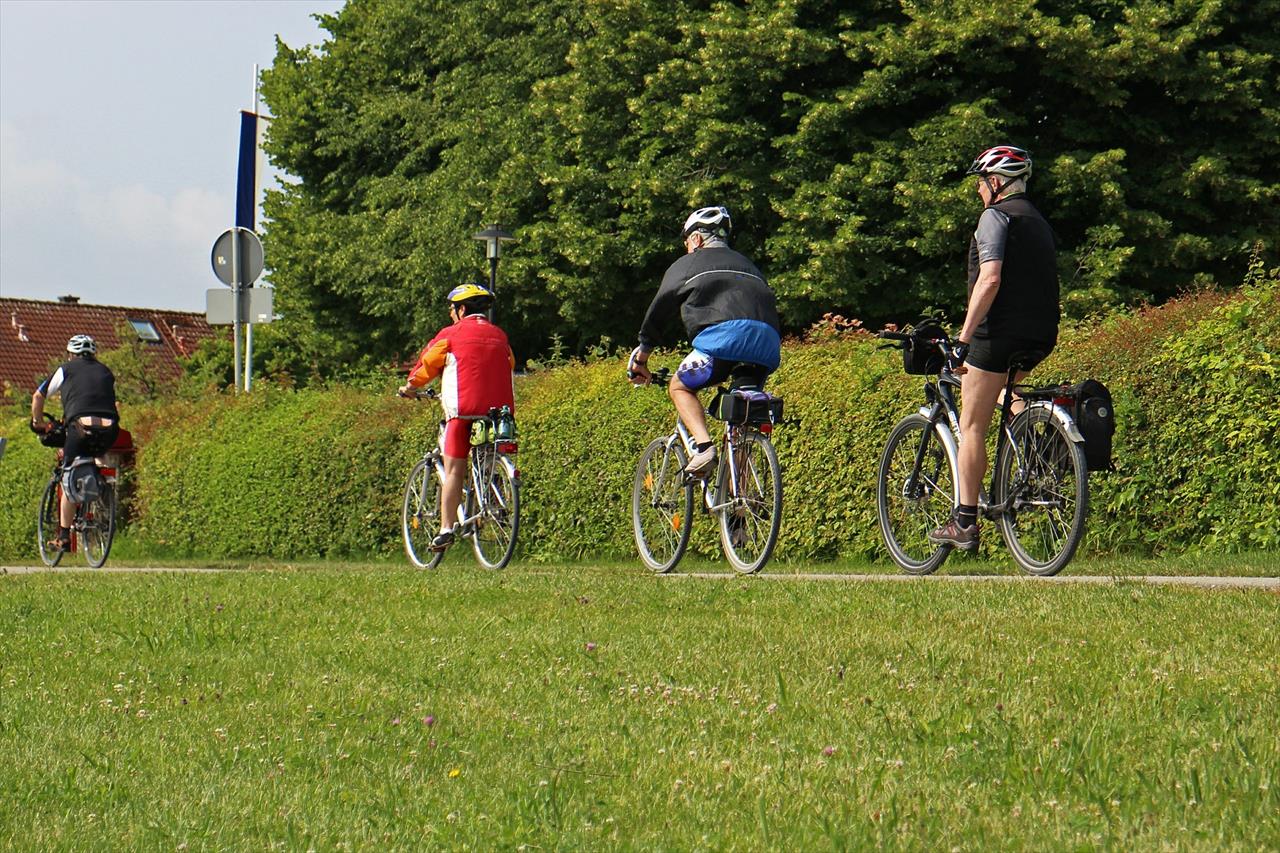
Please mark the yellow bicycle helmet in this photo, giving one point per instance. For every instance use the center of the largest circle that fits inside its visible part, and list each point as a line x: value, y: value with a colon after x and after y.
x: 463, y: 292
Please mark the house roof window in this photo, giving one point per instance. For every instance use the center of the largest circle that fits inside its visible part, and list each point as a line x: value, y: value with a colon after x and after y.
x: 146, y: 330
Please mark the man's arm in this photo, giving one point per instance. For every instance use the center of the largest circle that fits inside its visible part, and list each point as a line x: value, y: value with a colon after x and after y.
x: 665, y: 302
x: 430, y: 363
x: 984, y: 293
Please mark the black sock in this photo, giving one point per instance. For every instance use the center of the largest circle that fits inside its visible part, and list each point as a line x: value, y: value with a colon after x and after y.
x: 702, y: 445
x: 967, y: 515
x: 64, y: 533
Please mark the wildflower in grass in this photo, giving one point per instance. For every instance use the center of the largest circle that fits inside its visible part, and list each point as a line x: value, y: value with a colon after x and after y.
x: 773, y: 706
x: 455, y: 773
x: 428, y: 720
x: 828, y: 750
x: 591, y: 647
x: 395, y: 721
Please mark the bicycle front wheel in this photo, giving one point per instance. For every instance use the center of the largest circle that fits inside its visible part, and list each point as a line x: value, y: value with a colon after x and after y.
x: 98, y: 525
x: 662, y: 505
x: 1042, y: 481
x: 914, y: 498
x: 47, y: 523
x: 420, y: 515
x: 497, y: 521
x: 752, y: 515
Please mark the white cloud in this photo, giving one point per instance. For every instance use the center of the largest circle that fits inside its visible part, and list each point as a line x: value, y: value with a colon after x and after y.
x: 63, y: 234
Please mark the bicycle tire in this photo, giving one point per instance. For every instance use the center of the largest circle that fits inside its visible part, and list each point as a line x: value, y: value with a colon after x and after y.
x: 97, y: 525
x: 662, y: 505
x: 749, y: 527
x: 910, y: 507
x: 47, y: 523
x: 420, y: 513
x: 497, y: 524
x: 1046, y: 474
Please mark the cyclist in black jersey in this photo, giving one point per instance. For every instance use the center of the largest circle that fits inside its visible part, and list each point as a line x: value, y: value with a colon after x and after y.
x: 1012, y: 308
x: 88, y: 390
x: 730, y: 315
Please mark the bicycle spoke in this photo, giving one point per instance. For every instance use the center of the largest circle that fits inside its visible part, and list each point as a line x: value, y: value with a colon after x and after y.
x: 913, y: 499
x: 750, y: 521
x: 661, y: 505
x: 1043, y: 483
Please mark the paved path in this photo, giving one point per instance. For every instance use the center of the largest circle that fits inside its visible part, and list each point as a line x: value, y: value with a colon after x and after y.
x: 73, y: 568
x: 1155, y: 580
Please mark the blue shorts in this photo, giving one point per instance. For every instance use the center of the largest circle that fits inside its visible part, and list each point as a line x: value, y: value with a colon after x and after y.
x: 699, y: 370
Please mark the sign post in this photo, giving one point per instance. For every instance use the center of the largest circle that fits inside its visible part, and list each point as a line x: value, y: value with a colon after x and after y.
x: 237, y: 262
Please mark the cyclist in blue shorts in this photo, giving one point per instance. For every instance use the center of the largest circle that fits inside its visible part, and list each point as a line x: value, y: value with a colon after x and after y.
x: 729, y: 313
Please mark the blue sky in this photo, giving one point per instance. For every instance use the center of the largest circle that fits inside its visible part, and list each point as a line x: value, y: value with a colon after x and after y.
x: 118, y: 134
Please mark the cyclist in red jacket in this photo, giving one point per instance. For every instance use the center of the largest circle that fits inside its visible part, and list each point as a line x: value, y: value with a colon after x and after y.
x: 475, y: 364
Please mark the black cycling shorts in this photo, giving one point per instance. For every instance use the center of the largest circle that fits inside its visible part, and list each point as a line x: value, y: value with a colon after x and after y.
x: 995, y: 354
x: 88, y: 441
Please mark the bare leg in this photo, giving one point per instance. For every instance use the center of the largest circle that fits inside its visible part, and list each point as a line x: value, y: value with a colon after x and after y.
x: 980, y: 391
x: 455, y: 474
x: 690, y: 410
x: 66, y: 511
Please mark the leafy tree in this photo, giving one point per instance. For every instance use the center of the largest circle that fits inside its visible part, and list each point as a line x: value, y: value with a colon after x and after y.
x: 836, y: 133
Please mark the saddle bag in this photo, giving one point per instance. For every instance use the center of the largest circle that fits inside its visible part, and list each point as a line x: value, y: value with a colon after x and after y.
x: 1092, y: 411
x: 740, y: 406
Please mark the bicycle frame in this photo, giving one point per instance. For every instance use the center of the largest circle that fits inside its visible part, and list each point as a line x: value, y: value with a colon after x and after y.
x: 710, y: 486
x: 940, y: 394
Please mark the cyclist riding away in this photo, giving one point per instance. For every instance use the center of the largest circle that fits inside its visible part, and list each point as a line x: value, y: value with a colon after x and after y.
x: 88, y: 390
x: 475, y: 365
x: 730, y: 315
x: 1013, y: 308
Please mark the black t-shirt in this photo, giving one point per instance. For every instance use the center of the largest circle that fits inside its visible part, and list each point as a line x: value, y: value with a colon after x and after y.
x: 1026, y: 305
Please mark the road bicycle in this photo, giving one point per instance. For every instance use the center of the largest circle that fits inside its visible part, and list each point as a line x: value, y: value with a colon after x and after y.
x: 489, y: 514
x: 1039, y: 494
x: 744, y: 493
x: 94, y: 525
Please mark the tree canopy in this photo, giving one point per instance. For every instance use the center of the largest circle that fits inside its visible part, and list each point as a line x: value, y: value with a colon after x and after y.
x: 836, y: 132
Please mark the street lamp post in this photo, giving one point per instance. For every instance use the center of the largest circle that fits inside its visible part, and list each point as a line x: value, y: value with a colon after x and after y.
x: 493, y: 237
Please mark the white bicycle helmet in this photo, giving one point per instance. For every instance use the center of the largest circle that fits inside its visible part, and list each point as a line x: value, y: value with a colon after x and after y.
x: 714, y: 220
x: 1002, y: 160
x: 81, y: 345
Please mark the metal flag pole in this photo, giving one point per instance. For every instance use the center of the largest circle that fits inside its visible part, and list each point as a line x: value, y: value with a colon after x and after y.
x: 248, y: 331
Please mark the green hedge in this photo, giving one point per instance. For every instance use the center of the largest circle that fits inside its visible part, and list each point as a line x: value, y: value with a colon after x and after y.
x: 318, y: 473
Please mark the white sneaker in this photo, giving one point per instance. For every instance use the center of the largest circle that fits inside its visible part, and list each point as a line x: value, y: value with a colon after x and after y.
x: 700, y: 463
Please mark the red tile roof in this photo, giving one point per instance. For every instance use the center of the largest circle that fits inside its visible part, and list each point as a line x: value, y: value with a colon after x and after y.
x: 34, y: 333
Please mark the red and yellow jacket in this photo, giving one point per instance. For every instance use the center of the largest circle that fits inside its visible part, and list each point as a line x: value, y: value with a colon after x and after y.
x: 475, y: 364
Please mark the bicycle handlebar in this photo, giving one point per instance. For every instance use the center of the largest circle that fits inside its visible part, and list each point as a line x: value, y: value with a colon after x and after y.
x: 420, y: 394
x: 656, y: 377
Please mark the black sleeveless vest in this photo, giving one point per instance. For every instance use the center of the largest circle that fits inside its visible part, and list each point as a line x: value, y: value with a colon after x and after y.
x: 88, y: 388
x: 1026, y: 305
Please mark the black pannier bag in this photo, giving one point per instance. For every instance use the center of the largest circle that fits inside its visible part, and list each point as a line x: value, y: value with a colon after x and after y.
x: 738, y: 406
x: 921, y: 357
x: 1096, y: 419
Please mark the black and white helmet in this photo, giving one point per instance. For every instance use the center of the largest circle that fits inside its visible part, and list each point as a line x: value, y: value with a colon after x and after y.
x: 81, y: 345
x: 1002, y: 160
x: 713, y: 220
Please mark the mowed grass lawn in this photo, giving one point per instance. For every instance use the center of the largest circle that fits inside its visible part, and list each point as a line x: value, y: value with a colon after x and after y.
x: 600, y: 708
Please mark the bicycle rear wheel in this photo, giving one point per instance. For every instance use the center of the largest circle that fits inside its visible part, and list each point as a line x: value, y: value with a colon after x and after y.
x: 97, y: 525
x: 662, y: 505
x: 497, y: 520
x: 911, y: 501
x: 1041, y: 478
x: 420, y: 514
x: 749, y: 524
x: 47, y: 523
